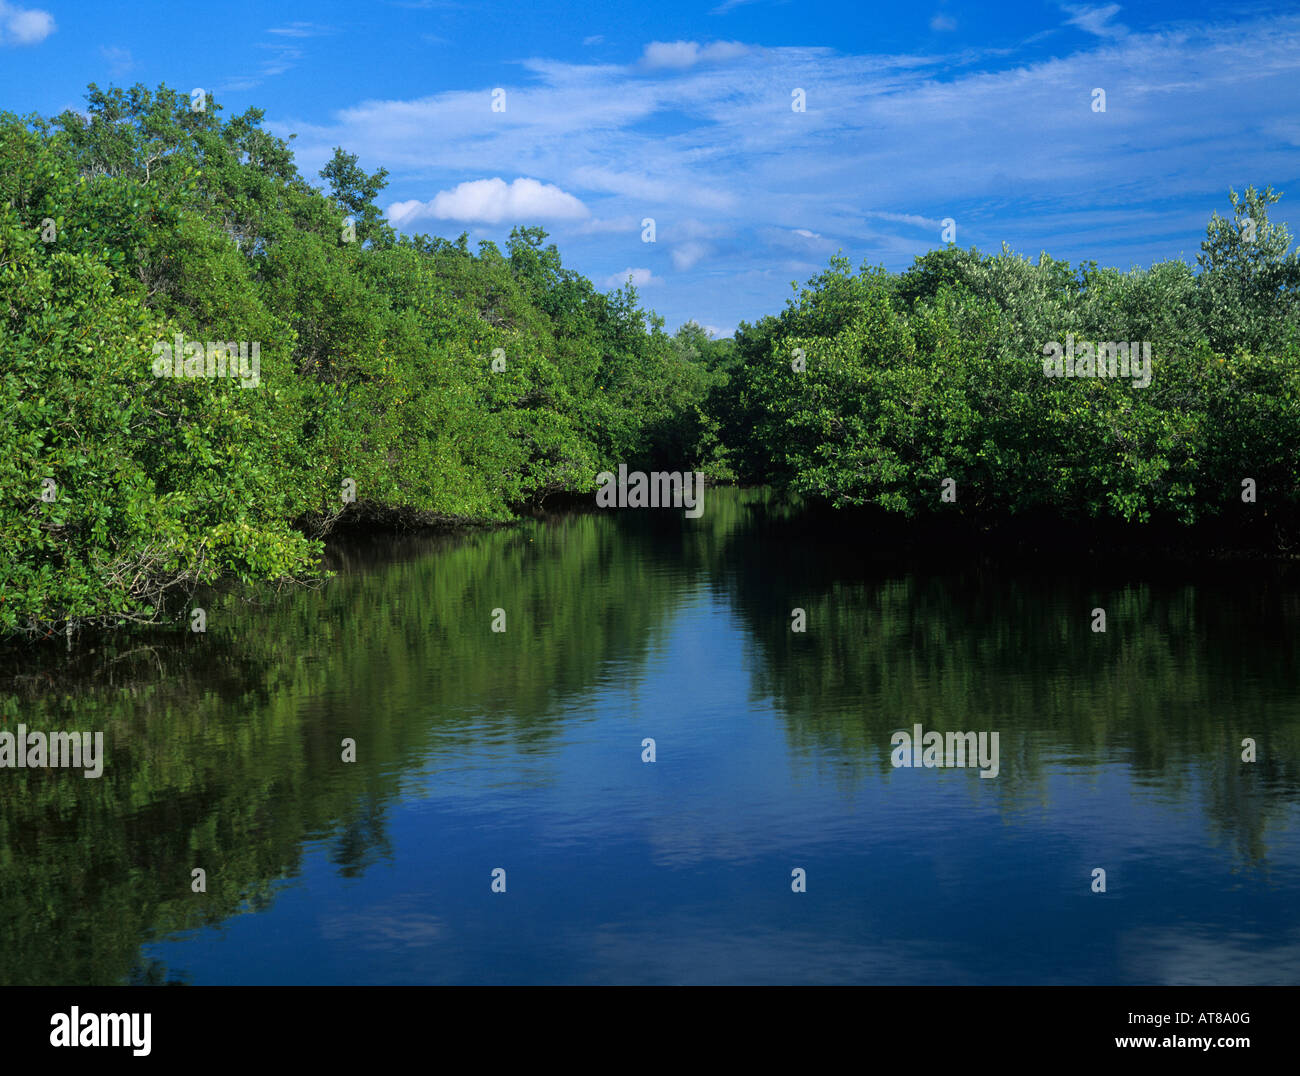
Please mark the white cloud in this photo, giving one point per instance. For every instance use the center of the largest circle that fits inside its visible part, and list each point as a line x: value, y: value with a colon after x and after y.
x: 683, y: 54
x: 1095, y: 19
x: 687, y: 255
x: 594, y: 39
x: 24, y: 26
x: 941, y: 23
x: 492, y: 201
x: 639, y: 278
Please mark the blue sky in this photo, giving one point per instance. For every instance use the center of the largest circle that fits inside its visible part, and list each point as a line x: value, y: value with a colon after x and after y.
x: 681, y: 112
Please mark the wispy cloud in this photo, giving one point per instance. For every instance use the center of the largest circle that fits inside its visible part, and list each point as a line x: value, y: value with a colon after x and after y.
x: 119, y: 60
x: 800, y: 240
x: 928, y: 223
x: 882, y: 132
x: 745, y: 190
x: 1095, y: 19
x: 628, y: 225
x: 284, y: 59
x: 302, y: 29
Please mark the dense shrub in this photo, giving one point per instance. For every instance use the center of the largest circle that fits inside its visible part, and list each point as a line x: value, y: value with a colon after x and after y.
x: 939, y: 373
x: 148, y: 220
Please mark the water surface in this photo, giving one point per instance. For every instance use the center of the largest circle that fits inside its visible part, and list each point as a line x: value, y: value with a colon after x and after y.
x: 522, y: 750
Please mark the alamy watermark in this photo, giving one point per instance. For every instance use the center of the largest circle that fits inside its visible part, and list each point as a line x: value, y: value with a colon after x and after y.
x: 658, y: 489
x: 36, y: 750
x: 1108, y: 359
x: 215, y: 358
x: 934, y: 749
x: 75, y: 1028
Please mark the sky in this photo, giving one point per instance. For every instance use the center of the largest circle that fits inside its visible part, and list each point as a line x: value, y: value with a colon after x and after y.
x: 591, y: 119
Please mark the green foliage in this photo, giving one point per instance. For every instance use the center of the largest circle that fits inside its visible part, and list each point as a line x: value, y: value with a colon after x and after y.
x: 356, y: 193
x: 376, y: 364
x: 1251, y: 281
x: 938, y: 373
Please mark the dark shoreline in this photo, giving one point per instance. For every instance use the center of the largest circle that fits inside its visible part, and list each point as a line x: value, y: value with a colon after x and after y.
x: 1159, y: 548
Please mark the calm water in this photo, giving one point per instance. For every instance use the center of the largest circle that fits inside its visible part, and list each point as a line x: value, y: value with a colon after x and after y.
x: 522, y: 750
